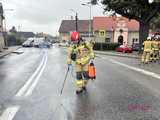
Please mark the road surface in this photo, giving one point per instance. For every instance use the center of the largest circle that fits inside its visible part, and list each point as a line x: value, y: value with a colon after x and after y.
x: 30, y: 85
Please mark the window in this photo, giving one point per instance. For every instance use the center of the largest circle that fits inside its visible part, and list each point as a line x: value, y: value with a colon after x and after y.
x: 107, y: 40
x: 102, y: 33
x: 135, y: 40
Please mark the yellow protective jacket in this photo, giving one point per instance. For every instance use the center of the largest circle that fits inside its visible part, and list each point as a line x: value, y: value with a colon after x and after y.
x: 155, y: 45
x: 159, y: 45
x: 148, y: 46
x: 83, y: 51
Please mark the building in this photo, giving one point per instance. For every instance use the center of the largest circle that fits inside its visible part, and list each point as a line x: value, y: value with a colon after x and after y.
x: 116, y: 29
x: 2, y: 43
x: 25, y: 35
x: 67, y: 26
x: 104, y: 29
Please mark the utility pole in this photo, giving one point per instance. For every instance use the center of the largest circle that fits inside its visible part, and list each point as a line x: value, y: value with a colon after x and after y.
x: 76, y: 21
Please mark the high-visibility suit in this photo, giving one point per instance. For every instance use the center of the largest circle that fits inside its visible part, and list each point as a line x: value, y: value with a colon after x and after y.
x: 84, y: 53
x: 155, y: 49
x: 151, y: 59
x: 147, y: 51
x: 159, y: 48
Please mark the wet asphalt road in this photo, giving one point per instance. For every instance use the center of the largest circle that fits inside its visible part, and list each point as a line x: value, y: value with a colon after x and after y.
x: 118, y: 93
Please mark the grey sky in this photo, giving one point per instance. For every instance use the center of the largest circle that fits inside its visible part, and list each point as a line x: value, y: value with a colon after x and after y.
x: 44, y: 15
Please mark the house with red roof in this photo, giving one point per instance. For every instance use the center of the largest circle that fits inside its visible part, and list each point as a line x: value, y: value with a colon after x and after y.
x: 116, y: 29
x: 67, y: 26
x: 104, y: 29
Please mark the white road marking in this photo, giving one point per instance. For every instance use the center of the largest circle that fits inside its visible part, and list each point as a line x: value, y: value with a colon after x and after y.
x: 157, y: 76
x: 9, y: 113
x: 153, y: 89
x: 32, y: 87
x: 25, y: 87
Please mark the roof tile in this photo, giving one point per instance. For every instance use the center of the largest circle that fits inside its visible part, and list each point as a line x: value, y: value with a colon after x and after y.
x: 70, y: 25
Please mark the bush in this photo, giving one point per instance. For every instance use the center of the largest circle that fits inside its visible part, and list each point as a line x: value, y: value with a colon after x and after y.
x: 105, y: 46
x: 19, y: 41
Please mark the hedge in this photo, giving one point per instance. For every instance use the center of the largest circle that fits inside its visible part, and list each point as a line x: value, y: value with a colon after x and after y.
x: 105, y: 46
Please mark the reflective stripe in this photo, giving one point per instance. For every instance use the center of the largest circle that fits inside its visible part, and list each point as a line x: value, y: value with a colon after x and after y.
x: 79, y: 83
x: 83, y: 61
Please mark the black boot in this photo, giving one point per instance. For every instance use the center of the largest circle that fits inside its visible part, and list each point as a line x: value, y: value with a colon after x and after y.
x: 79, y: 91
x: 84, y: 89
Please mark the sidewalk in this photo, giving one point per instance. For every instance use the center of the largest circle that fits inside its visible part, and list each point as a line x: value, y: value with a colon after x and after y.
x: 9, y: 50
x: 114, y: 53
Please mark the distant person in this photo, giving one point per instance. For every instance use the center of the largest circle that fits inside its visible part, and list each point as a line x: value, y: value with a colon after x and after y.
x: 147, y: 50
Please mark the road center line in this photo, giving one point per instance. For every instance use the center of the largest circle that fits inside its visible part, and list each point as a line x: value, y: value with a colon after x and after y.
x: 32, y: 87
x: 9, y: 113
x: 157, y: 76
x: 26, y: 85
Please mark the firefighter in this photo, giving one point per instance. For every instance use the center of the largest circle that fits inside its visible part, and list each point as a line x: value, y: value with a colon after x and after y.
x: 80, y: 52
x: 147, y: 50
x: 155, y: 49
x: 152, y: 49
x: 92, y: 43
x: 159, y: 47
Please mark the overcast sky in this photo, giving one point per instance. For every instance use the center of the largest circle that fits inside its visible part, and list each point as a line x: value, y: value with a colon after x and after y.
x: 44, y: 15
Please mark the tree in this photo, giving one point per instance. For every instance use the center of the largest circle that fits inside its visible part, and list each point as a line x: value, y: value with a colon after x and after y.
x: 13, y: 30
x: 155, y: 24
x: 13, y: 37
x: 140, y: 10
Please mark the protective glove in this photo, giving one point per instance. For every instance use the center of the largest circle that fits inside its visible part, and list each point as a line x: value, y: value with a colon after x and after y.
x: 91, y: 60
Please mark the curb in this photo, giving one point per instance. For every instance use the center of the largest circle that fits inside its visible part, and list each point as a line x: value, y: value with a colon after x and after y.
x: 119, y: 55
x: 10, y: 52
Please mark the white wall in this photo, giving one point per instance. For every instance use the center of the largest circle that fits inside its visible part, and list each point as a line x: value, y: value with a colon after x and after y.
x: 132, y: 35
x: 124, y: 34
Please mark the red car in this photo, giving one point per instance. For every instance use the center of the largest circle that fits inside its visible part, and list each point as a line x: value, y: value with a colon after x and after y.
x: 124, y: 49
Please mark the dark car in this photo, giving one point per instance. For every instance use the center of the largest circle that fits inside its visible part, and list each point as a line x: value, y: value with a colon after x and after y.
x: 46, y: 44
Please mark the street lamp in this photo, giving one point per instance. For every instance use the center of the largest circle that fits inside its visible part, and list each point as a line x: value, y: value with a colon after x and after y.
x: 76, y: 18
x: 88, y: 4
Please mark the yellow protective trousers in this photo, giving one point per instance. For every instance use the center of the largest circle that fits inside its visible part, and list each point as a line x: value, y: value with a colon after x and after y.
x: 81, y: 76
x: 145, y: 57
x: 156, y: 55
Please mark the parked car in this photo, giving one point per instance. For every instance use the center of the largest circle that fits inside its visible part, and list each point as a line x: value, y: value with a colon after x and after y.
x: 37, y: 42
x: 45, y: 44
x: 28, y: 43
x: 124, y: 49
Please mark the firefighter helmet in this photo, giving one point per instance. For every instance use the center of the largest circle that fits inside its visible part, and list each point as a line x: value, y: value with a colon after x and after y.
x: 149, y: 38
x: 75, y: 36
